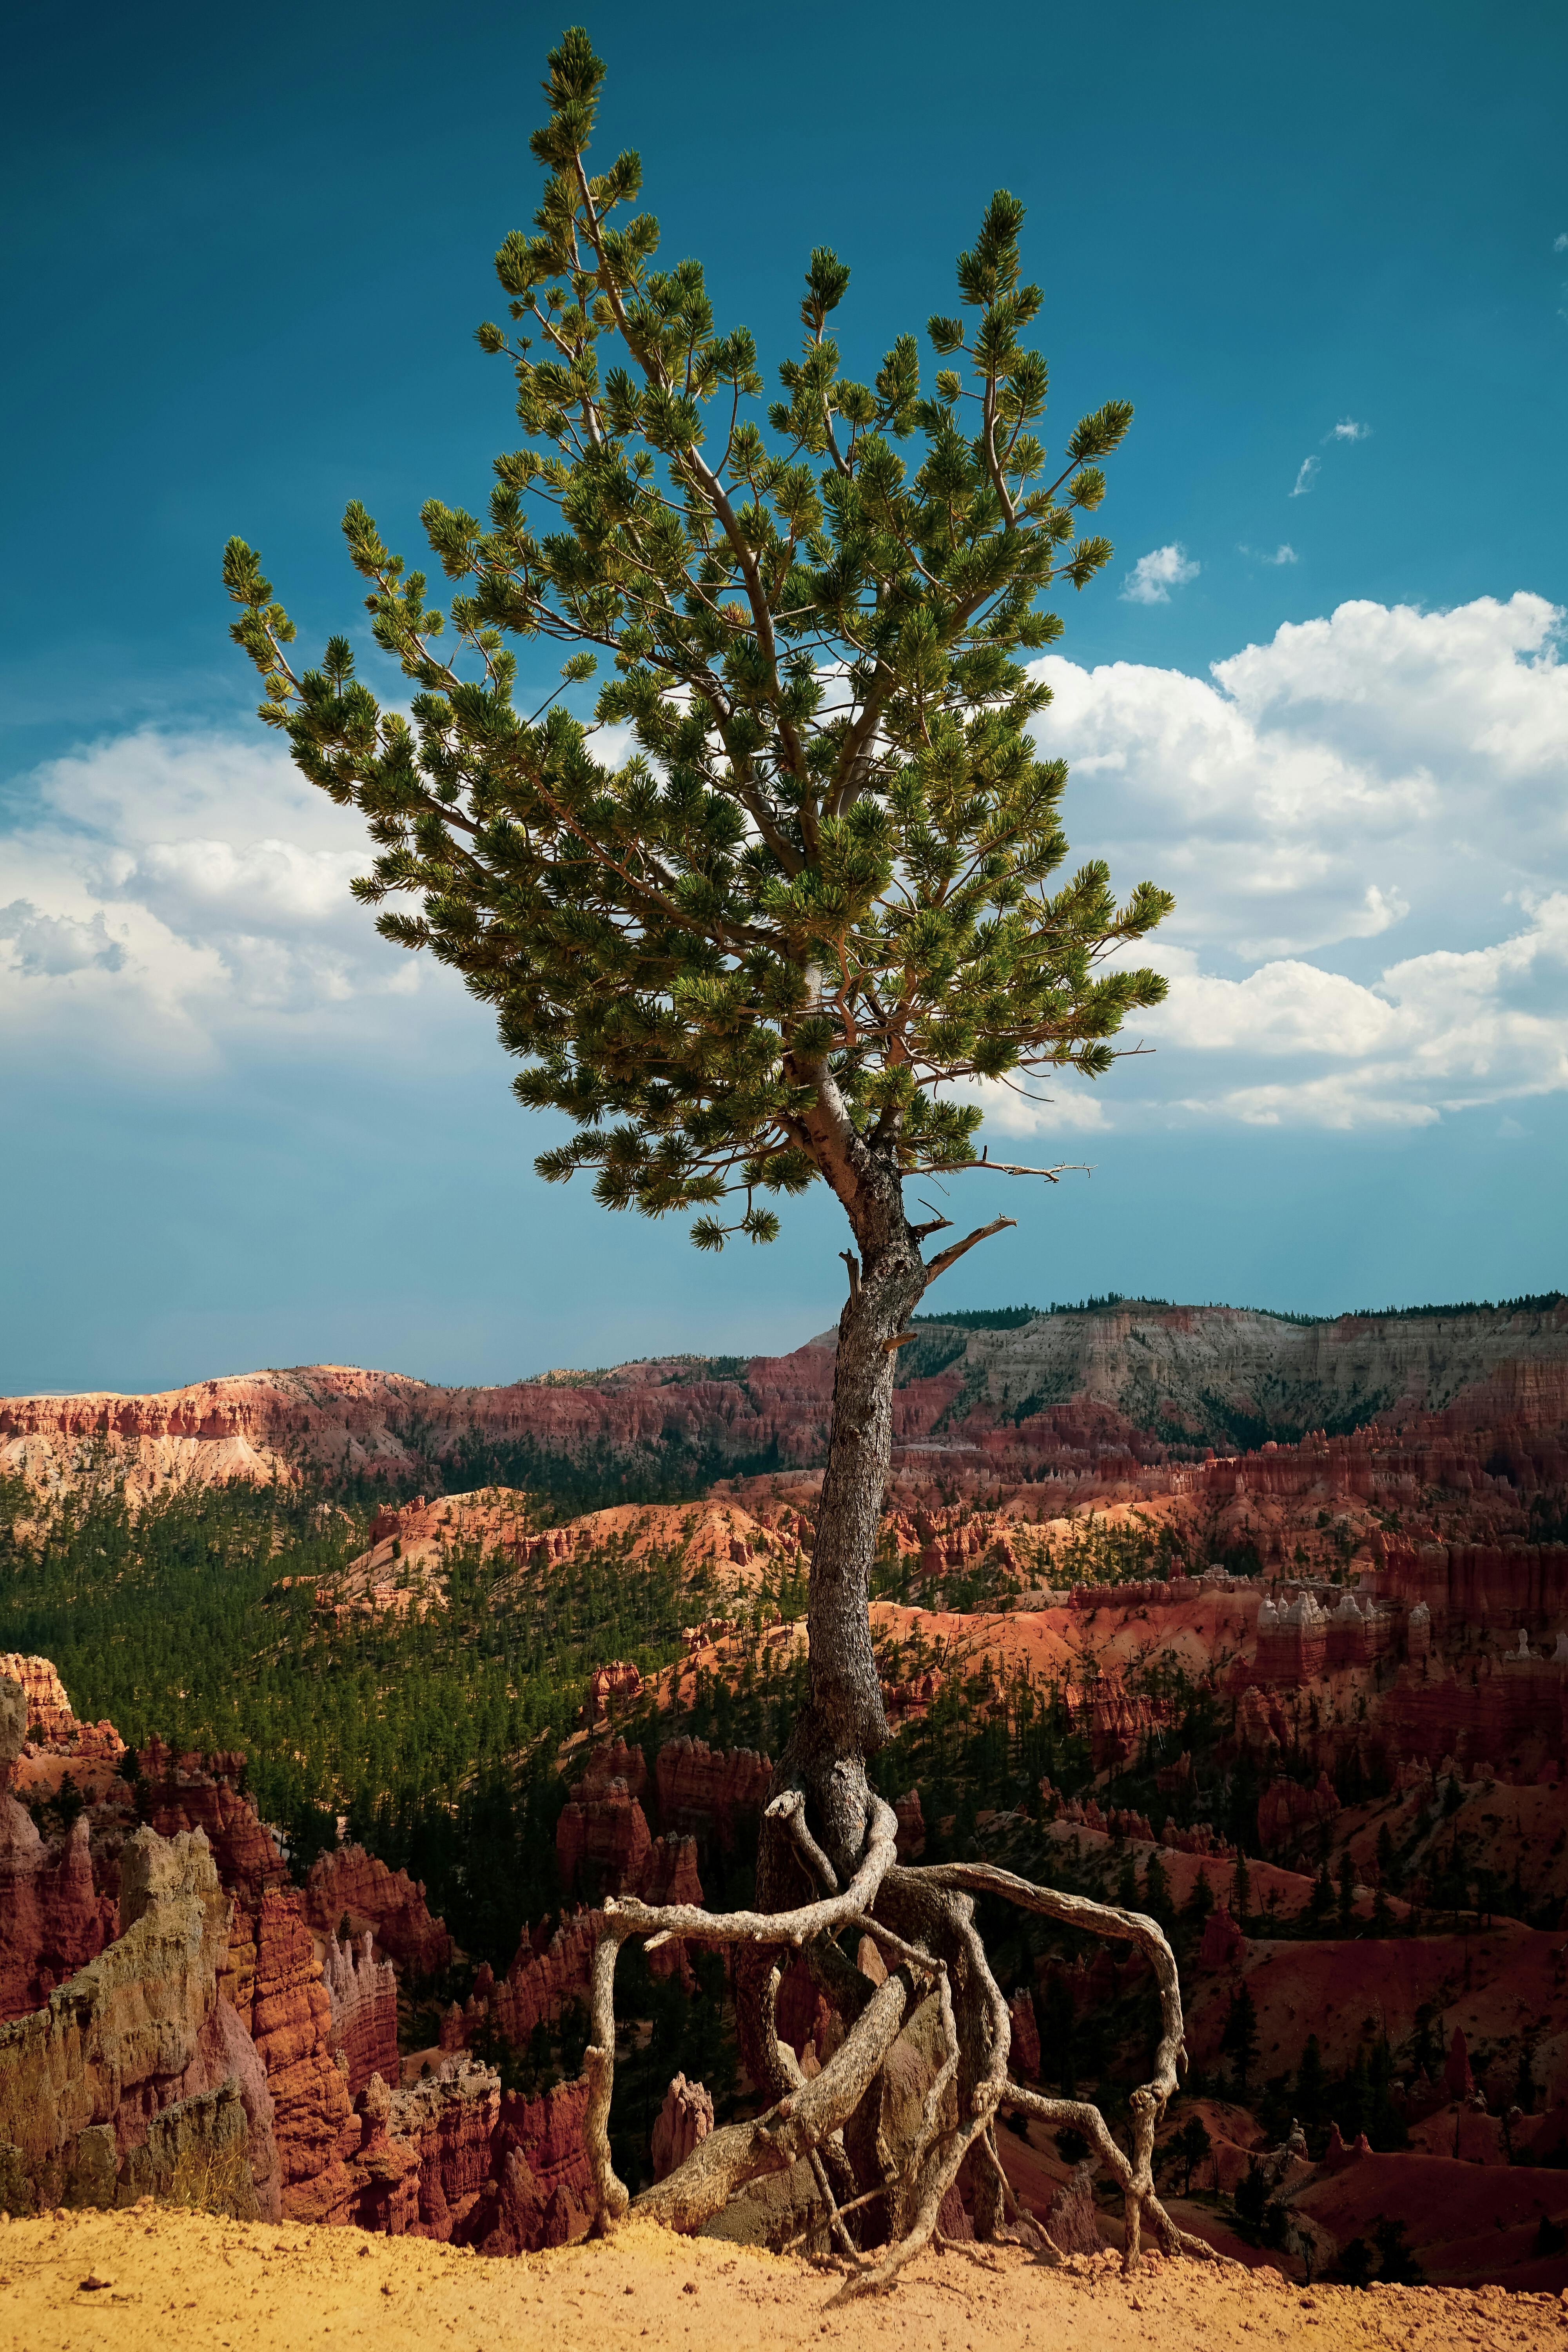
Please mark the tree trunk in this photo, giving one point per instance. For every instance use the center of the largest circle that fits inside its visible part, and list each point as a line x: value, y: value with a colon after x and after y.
x: 842, y: 1723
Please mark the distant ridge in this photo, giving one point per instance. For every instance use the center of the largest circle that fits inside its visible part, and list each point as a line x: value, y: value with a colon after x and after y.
x: 1023, y: 1392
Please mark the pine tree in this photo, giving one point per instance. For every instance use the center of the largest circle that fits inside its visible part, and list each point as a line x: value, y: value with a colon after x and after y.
x: 1347, y: 1892
x: 1320, y: 1901
x: 1192, y: 2144
x: 1240, y: 1892
x: 795, y: 932
x: 1240, y: 2035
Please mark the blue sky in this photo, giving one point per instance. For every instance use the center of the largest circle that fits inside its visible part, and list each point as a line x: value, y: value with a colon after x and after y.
x: 1322, y: 250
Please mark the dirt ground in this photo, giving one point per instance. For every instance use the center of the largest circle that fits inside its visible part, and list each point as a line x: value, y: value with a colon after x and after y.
x: 158, y: 2280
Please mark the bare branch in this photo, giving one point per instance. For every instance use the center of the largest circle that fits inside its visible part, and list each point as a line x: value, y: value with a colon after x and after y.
x: 944, y: 1258
x: 1010, y: 1167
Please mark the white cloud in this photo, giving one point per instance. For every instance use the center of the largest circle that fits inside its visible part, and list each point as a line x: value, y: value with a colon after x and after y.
x: 177, y: 892
x: 1306, y: 476
x: 1560, y: 244
x: 1347, y: 429
x: 1383, y: 772
x: 1364, y: 821
x: 1154, y: 575
x: 49, y: 945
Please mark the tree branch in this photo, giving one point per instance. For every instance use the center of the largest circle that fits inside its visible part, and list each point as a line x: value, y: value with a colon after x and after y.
x: 944, y: 1258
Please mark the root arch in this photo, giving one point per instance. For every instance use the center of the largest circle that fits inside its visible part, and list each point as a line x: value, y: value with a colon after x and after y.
x: 921, y: 1919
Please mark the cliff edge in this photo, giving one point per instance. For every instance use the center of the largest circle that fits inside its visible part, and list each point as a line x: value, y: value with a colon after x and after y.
x: 154, y: 2280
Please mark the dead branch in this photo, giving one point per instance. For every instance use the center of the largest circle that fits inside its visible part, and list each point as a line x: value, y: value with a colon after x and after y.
x: 944, y: 1258
x: 1010, y: 1167
x: 853, y: 1263
x: 936, y: 2171
x: 835, y: 2219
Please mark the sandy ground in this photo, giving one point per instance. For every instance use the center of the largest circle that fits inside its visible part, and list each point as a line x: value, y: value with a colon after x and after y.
x: 163, y: 2282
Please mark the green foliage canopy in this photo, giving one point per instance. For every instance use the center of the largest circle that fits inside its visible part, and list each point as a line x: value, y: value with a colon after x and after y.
x: 795, y: 881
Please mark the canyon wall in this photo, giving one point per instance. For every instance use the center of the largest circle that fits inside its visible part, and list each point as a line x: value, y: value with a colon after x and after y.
x: 1118, y: 1387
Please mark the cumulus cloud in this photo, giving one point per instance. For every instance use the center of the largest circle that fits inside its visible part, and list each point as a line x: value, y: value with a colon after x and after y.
x: 1381, y: 774
x: 1364, y: 821
x: 49, y: 945
x: 1306, y: 476
x: 1283, y: 553
x: 1154, y: 575
x: 1560, y: 244
x: 178, y: 891
x: 1347, y: 429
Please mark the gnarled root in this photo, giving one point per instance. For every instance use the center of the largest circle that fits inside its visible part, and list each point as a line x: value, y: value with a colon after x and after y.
x: 922, y: 1920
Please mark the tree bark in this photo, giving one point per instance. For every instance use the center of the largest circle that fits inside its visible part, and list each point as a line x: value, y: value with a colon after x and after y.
x: 842, y: 1723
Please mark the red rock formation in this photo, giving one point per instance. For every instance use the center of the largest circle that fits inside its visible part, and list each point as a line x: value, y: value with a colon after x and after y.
x: 911, y: 1839
x: 349, y: 1881
x: 669, y: 1876
x: 49, y: 1715
x: 542, y: 2190
x: 607, y: 1838
x: 617, y: 1680
x: 1223, y: 1942
x: 1117, y: 1721
x: 384, y: 2193
x: 51, y: 1724
x: 1457, y: 2079
x: 450, y: 2120
x: 1506, y: 1373
x: 545, y: 1976
x: 1070, y: 2218
x: 1287, y: 1811
x: 914, y: 1693
x: 139, y: 2061
x: 1262, y: 1730
x: 613, y: 1765
x: 52, y: 1921
x: 198, y: 1791
x: 686, y: 2117
x: 1484, y: 1712
x: 291, y: 2022
x: 1498, y: 1585
x: 703, y: 1791
x: 602, y: 1836
x: 1159, y: 1594
x: 363, y: 1996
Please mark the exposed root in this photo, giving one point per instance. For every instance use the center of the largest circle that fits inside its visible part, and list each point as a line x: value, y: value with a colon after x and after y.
x: 790, y: 1809
x: 626, y: 1915
x: 737, y: 2153
x: 835, y: 2219
x: 927, y: 1930
x: 1134, y: 2175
